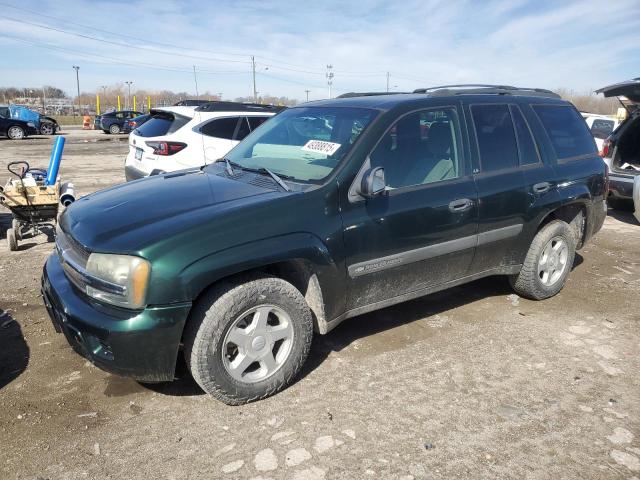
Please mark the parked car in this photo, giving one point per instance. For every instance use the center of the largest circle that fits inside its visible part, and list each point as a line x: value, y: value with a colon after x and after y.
x: 181, y: 137
x: 15, y: 129
x: 43, y: 124
x: 621, y: 150
x: 329, y: 210
x: 113, y: 122
x: 133, y: 123
x: 601, y: 127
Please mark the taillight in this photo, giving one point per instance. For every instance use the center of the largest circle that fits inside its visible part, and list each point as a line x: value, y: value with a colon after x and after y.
x: 166, y: 148
x: 132, y: 124
x: 606, y: 146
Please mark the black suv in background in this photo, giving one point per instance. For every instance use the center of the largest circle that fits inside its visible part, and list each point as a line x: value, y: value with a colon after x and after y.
x: 621, y: 150
x: 329, y: 210
x: 113, y: 122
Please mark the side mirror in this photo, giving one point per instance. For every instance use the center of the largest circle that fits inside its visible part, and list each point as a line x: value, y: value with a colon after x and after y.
x: 373, y: 182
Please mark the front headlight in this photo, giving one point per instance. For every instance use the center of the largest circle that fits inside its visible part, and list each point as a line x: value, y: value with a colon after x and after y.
x: 118, y: 279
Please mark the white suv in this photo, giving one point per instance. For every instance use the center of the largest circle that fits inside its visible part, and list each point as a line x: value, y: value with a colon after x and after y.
x: 181, y: 137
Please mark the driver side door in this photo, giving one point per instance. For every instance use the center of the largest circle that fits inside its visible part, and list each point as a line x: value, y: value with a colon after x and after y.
x: 421, y: 231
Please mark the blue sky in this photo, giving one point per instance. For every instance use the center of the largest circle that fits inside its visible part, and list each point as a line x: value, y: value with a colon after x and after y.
x: 581, y: 45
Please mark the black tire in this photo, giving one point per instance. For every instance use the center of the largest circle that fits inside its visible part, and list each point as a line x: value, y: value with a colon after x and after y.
x: 621, y: 204
x: 114, y: 129
x: 105, y: 131
x: 11, y: 240
x: 215, y: 314
x: 528, y: 282
x: 16, y: 132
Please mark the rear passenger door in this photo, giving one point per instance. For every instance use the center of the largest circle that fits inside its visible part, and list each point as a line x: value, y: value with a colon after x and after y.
x: 501, y: 184
x: 218, y: 137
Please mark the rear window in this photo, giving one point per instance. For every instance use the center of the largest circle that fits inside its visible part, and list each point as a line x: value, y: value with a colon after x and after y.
x: 567, y: 130
x: 161, y: 124
x: 602, y: 128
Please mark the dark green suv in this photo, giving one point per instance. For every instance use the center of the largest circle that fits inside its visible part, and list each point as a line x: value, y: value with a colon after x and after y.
x: 331, y: 209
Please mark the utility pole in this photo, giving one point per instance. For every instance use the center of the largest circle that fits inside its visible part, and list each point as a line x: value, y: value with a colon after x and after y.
x: 307, y: 92
x: 44, y: 102
x: 329, y: 78
x: 195, y: 79
x: 220, y: 96
x: 76, y: 68
x: 129, y: 95
x: 387, y: 82
x: 253, y: 69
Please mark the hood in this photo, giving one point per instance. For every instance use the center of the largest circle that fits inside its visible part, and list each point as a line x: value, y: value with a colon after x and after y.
x: 127, y: 217
x: 629, y: 89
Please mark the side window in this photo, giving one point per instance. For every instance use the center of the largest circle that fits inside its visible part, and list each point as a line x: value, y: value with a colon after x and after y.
x: 420, y: 148
x: 4, y: 112
x: 567, y: 130
x: 121, y: 115
x: 526, y: 146
x: 243, y: 129
x: 602, y: 128
x: 220, y: 128
x: 255, y: 122
x: 496, y: 137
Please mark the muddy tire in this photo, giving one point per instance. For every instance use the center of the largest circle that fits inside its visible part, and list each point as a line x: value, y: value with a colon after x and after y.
x: 248, y: 338
x: 548, y: 262
x: 11, y: 240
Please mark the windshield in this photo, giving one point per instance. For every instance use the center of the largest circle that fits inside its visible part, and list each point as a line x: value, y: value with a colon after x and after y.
x: 304, y: 143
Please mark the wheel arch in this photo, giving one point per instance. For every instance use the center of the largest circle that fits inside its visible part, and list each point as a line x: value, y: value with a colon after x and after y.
x: 574, y: 213
x: 301, y: 259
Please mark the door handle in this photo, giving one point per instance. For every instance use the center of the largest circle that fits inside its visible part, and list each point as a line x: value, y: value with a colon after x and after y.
x: 541, y: 187
x: 460, y: 205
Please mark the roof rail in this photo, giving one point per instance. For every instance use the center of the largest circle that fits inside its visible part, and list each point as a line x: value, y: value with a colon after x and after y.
x: 476, y: 89
x: 218, y: 106
x: 367, y: 94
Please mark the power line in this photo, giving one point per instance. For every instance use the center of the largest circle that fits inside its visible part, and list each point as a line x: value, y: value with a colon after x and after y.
x: 123, y: 44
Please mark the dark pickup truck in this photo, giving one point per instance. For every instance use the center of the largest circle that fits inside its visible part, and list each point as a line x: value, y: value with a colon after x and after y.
x: 330, y: 210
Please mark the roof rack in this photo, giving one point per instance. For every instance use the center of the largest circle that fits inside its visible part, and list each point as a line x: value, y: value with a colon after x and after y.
x: 367, y: 94
x: 237, y: 107
x: 479, y: 88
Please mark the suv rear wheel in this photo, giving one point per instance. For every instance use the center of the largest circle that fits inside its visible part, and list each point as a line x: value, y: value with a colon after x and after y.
x: 247, y: 339
x: 548, y: 262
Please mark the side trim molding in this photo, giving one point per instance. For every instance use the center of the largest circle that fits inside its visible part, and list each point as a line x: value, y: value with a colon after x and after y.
x: 432, y: 251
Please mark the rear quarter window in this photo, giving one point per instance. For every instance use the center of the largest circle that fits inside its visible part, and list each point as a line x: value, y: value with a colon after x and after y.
x: 567, y: 131
x: 602, y: 128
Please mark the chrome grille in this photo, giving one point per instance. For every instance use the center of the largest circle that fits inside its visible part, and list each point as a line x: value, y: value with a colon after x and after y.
x: 73, y: 258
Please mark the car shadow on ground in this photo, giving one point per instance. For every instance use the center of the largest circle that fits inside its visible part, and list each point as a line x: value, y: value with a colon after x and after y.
x: 625, y: 216
x: 14, y: 351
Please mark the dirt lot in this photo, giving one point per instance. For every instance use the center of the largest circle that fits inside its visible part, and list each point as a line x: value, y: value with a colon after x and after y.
x: 468, y: 383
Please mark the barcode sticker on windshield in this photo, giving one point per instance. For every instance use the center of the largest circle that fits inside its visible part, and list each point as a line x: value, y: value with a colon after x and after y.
x: 320, y: 146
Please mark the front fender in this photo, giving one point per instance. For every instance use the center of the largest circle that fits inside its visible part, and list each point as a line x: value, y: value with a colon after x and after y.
x: 207, y: 270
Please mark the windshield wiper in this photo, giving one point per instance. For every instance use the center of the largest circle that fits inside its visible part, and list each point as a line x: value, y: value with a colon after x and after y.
x: 278, y: 179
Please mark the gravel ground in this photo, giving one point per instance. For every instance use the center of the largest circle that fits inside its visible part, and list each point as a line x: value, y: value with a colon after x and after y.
x: 473, y: 382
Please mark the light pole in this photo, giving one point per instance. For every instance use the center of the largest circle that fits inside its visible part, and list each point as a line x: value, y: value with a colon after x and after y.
x: 129, y: 95
x: 307, y: 92
x: 195, y: 79
x: 220, y: 96
x: 329, y: 78
x: 76, y: 68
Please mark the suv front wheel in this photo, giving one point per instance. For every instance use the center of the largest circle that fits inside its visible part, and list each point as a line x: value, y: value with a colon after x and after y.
x: 247, y: 339
x: 548, y: 262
